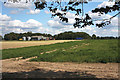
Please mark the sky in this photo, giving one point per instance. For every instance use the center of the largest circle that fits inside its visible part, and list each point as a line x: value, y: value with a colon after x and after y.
x: 23, y: 17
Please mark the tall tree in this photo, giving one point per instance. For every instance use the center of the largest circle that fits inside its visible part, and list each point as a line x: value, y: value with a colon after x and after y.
x: 94, y: 36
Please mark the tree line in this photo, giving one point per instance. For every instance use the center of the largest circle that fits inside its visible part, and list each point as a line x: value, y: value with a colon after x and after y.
x: 76, y: 35
x: 72, y: 35
x: 62, y: 36
x: 17, y: 36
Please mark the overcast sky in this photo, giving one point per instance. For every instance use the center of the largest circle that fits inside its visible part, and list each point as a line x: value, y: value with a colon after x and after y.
x: 22, y: 17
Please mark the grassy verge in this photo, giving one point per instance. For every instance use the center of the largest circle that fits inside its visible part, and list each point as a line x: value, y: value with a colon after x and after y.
x: 77, y: 51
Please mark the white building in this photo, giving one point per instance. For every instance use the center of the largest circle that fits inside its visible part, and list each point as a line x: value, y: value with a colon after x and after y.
x: 36, y: 38
x: 24, y: 38
x: 44, y: 38
x: 29, y: 38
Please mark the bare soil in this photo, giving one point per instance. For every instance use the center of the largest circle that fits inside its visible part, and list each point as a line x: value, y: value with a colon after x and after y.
x: 22, y: 68
x: 18, y: 44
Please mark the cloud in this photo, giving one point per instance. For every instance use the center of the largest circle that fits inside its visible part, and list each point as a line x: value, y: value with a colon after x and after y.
x: 106, y: 3
x: 95, y: 16
x: 110, y: 30
x: 57, y: 23
x: 21, y: 5
x: 31, y: 23
x: 4, y: 17
x: 8, y: 25
x: 14, y: 12
x: 36, y: 11
x: 6, y: 30
x: 56, y: 26
x: 106, y: 31
x: 47, y: 12
x: 17, y: 26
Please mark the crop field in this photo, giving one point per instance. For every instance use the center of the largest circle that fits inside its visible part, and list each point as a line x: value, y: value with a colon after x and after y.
x: 90, y: 51
x: 18, y: 44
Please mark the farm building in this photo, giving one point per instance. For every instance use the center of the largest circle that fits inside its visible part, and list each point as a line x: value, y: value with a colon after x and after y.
x: 79, y: 38
x: 36, y: 38
x: 24, y: 38
x: 28, y: 38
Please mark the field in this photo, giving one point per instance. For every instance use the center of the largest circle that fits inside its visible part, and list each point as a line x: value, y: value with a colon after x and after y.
x: 102, y: 51
x: 73, y: 59
x: 18, y: 44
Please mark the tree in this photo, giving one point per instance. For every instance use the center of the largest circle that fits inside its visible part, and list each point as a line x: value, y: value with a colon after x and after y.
x: 72, y: 35
x: 17, y: 36
x: 86, y: 20
x: 11, y: 36
x: 94, y: 36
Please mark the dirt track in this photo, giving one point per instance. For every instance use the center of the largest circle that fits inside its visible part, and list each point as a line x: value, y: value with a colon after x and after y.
x: 13, y: 68
x: 17, y: 44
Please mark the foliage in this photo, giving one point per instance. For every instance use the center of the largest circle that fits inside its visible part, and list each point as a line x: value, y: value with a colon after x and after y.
x: 93, y: 36
x: 77, y: 51
x: 72, y: 35
x: 62, y: 36
x: 11, y: 36
x: 16, y: 36
x: 107, y: 9
x: 74, y: 6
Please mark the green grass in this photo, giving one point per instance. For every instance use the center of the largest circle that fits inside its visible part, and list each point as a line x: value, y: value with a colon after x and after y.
x: 78, y: 51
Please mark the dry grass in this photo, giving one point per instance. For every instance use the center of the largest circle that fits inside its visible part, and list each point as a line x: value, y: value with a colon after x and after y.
x: 17, y: 44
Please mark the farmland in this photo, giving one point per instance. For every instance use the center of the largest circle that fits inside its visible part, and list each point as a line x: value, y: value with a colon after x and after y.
x: 90, y: 51
x: 18, y: 44
x: 74, y: 59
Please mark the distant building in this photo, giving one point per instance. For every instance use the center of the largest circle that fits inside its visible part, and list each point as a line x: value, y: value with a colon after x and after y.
x: 79, y: 38
x: 47, y: 38
x: 36, y: 38
x: 28, y: 38
x: 24, y: 38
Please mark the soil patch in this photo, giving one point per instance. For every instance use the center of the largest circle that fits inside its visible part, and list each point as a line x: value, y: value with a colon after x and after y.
x: 23, y: 68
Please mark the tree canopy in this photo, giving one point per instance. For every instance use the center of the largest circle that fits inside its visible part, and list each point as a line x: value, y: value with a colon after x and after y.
x: 17, y: 36
x: 94, y: 36
x: 68, y: 35
x: 72, y: 35
x: 85, y: 20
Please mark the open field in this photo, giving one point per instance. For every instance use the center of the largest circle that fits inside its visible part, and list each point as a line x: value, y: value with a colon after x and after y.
x: 78, y: 51
x: 17, y: 44
x: 77, y: 59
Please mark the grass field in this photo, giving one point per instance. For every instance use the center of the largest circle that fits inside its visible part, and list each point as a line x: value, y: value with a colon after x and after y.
x: 78, y: 51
